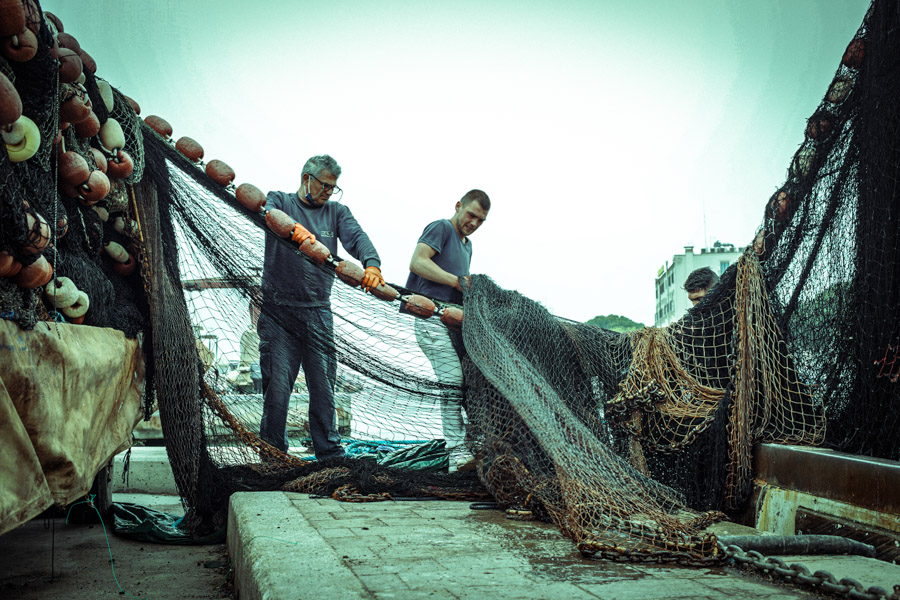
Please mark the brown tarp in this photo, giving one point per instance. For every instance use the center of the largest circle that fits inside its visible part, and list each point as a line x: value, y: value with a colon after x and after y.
x: 69, y: 397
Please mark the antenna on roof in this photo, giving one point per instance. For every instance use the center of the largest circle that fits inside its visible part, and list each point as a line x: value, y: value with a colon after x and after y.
x: 705, y: 239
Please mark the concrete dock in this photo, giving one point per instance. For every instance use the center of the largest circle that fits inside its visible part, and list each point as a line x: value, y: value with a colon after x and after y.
x: 292, y: 546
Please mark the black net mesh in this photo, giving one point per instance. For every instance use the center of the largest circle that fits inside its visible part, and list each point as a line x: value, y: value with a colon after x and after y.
x: 631, y: 443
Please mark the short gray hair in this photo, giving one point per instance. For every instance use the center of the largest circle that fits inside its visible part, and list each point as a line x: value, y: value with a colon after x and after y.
x: 323, y: 162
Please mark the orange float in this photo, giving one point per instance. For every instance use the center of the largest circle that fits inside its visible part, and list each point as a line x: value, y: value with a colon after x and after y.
x: 159, y: 125
x: 191, y: 149
x: 73, y: 170
x: 819, y: 126
x: 70, y: 66
x: 124, y: 269
x: 87, y: 61
x: 134, y: 105
x: 219, y: 172
x: 68, y: 41
x: 75, y: 108
x: 10, y: 102
x: 385, y: 292
x: 12, y: 17
x: 420, y: 306
x: 350, y: 273
x: 250, y: 197
x: 20, y: 47
x: 854, y: 54
x: 95, y: 188
x: 9, y: 266
x: 121, y: 166
x: 280, y: 223
x: 99, y: 159
x: 780, y: 205
x: 87, y: 128
x: 315, y: 250
x: 452, y: 317
x: 34, y: 275
x: 54, y: 21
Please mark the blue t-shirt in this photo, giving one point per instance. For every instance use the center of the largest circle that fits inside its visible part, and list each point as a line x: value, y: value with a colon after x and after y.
x: 450, y: 254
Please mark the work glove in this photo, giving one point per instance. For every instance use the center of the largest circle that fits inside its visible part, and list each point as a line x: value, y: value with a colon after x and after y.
x: 301, y: 234
x: 372, y: 278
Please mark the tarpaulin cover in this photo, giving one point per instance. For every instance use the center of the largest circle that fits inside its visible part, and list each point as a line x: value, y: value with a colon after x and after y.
x: 69, y: 397
x: 148, y: 525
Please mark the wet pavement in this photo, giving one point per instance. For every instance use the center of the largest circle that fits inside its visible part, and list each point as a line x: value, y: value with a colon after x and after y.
x: 288, y: 545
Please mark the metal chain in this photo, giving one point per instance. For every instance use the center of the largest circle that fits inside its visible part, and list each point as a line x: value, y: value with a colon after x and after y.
x: 798, y: 573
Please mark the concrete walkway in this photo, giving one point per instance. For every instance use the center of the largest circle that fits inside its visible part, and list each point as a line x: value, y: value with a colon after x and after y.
x: 289, y: 546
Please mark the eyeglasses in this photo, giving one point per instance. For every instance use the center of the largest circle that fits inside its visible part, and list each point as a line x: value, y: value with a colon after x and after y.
x: 331, y: 189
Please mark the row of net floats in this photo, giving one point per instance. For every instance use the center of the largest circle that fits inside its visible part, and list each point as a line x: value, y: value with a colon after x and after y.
x: 281, y: 224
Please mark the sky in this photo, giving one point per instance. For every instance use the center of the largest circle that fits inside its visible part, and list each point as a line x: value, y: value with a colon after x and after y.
x: 608, y: 134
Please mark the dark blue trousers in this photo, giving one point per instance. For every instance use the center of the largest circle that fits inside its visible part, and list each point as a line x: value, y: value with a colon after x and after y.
x: 291, y: 337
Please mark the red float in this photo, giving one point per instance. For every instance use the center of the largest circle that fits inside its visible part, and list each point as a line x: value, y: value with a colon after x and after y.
x: 350, y: 273
x: 34, y: 275
x: 159, y: 125
x: 94, y: 189
x: 12, y: 17
x: 126, y: 268
x: 191, y: 149
x: 219, y: 172
x: 9, y: 266
x: 99, y: 159
x: 385, y: 292
x: 855, y: 53
x: 70, y: 66
x: 67, y: 40
x: 280, y: 223
x: 315, y: 250
x: 420, y: 306
x: 121, y: 166
x: 250, y: 197
x: 452, y: 317
x: 73, y: 170
x: 87, y: 128
x: 20, y: 47
x: 10, y: 102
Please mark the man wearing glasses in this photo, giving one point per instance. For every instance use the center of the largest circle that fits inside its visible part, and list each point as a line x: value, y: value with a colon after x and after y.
x: 296, y: 325
x: 442, y: 256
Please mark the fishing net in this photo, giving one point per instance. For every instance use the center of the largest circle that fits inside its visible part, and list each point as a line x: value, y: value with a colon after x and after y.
x: 632, y: 443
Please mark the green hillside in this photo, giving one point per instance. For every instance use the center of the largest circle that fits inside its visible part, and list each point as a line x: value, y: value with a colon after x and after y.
x: 615, y: 323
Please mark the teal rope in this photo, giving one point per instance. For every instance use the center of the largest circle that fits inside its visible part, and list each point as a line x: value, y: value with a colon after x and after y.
x: 112, y: 564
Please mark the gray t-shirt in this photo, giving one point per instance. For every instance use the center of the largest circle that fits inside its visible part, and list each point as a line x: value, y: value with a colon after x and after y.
x: 290, y: 279
x: 450, y: 254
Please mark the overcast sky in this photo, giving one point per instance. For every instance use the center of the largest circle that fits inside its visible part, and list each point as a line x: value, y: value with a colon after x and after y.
x: 603, y: 131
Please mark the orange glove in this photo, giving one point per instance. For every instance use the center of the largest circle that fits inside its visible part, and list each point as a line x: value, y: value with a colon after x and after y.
x: 302, y: 234
x: 372, y: 278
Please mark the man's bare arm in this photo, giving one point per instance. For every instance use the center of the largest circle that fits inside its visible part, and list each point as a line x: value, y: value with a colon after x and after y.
x: 423, y: 266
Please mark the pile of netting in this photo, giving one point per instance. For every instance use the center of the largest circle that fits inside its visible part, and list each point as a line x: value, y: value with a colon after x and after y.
x: 633, y: 444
